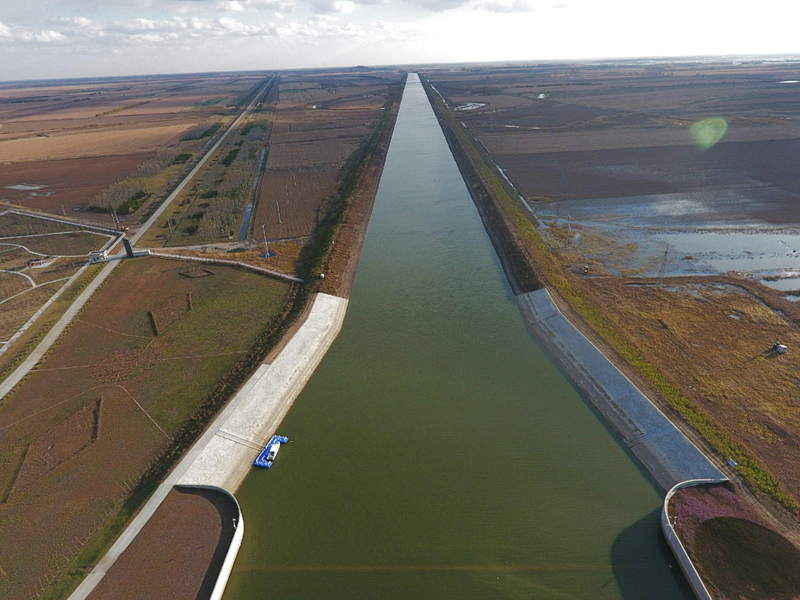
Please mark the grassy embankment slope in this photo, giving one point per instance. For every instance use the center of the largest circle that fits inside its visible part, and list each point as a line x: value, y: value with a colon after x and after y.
x: 530, y: 264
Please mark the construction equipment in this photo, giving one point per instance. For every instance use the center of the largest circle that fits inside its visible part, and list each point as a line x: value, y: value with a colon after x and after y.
x: 117, y: 224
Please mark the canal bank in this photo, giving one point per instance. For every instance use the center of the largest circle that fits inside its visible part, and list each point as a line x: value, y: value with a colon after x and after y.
x: 437, y: 451
x: 660, y: 446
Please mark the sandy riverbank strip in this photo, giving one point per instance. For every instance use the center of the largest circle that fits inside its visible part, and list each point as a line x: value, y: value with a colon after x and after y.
x: 660, y: 446
x: 224, y: 454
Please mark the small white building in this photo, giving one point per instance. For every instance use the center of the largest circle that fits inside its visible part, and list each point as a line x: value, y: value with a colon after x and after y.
x: 98, y: 256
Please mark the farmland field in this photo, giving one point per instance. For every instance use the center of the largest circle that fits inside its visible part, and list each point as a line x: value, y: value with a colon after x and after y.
x: 320, y: 122
x: 297, y: 194
x: 122, y: 392
x: 63, y: 144
x: 49, y: 185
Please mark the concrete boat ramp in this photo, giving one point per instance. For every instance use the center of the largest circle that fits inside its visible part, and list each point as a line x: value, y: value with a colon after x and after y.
x: 660, y: 446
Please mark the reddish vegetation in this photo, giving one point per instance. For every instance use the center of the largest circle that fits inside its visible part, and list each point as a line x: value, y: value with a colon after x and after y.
x: 179, y: 552
x: 691, y: 506
x: 737, y: 554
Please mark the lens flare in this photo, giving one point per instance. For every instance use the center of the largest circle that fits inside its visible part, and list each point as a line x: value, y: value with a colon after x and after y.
x: 708, y: 132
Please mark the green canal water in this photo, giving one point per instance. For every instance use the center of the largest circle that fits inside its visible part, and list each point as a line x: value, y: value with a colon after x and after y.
x: 438, y: 452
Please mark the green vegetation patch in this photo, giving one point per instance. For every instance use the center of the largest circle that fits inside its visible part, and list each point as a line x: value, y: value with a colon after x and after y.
x: 181, y: 158
x: 230, y: 157
x: 132, y: 204
x: 211, y: 130
x: 746, y: 560
x: 253, y: 125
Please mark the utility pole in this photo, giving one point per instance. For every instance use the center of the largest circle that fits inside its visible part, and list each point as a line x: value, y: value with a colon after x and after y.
x: 664, y: 264
x: 63, y: 210
x: 569, y: 230
x: 266, y: 248
x: 278, y: 206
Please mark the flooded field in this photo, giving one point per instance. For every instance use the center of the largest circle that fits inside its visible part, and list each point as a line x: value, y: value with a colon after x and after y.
x: 700, y: 233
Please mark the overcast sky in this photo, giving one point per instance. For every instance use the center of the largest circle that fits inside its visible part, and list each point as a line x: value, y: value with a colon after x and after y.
x: 80, y: 38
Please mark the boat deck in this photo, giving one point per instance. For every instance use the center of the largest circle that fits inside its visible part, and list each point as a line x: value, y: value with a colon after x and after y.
x: 262, y: 461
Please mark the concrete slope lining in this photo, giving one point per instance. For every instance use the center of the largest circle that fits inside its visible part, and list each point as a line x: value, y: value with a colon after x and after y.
x: 228, y: 456
x: 660, y: 446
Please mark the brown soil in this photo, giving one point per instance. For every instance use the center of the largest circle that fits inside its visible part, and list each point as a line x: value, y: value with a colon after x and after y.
x: 59, y: 444
x: 166, y: 315
x: 298, y: 194
x: 178, y: 553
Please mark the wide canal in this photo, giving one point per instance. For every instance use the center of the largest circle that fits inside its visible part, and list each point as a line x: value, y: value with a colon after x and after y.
x: 438, y: 452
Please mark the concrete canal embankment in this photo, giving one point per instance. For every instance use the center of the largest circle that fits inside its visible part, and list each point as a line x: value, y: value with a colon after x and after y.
x: 229, y: 446
x: 224, y: 454
x: 660, y: 446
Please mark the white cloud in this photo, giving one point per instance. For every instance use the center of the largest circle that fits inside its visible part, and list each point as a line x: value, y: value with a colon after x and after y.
x: 505, y: 6
x: 388, y: 31
x: 11, y: 33
x: 334, y: 6
x: 231, y: 5
x: 257, y: 5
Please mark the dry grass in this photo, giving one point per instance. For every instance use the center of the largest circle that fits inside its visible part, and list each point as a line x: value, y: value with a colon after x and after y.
x: 95, y: 143
x: 714, y: 342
